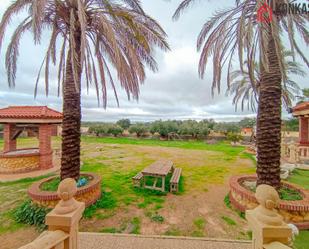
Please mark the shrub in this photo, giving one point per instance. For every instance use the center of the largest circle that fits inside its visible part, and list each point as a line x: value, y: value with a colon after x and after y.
x: 234, y: 137
x: 139, y: 129
x: 31, y: 214
x: 229, y: 220
x: 124, y: 123
x: 115, y: 130
x: 164, y: 127
x: 99, y: 130
x: 157, y: 218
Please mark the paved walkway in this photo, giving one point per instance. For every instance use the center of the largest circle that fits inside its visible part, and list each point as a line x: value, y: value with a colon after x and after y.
x: 120, y: 241
x: 14, y: 177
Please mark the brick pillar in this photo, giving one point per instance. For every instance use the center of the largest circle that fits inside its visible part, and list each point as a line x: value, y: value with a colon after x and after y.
x: 303, y: 131
x: 46, y: 152
x: 9, y: 144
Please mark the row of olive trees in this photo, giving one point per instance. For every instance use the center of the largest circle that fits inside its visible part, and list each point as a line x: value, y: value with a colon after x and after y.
x: 166, y: 129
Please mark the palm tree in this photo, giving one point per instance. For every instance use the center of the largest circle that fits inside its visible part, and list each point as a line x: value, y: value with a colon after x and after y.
x: 247, y: 93
x: 236, y: 32
x: 95, y: 35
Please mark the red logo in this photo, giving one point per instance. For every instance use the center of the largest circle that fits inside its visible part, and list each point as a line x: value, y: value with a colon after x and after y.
x: 265, y: 13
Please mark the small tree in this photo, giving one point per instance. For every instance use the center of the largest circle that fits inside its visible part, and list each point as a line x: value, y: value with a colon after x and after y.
x: 138, y: 129
x: 247, y: 122
x: 189, y: 127
x: 234, y: 137
x: 306, y: 92
x: 291, y: 124
x: 164, y: 127
x: 99, y: 130
x: 203, y: 129
x: 115, y: 130
x: 227, y: 128
x: 124, y: 123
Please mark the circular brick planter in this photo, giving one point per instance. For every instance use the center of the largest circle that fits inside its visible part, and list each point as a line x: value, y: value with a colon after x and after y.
x: 88, y: 194
x: 296, y: 212
x: 19, y: 161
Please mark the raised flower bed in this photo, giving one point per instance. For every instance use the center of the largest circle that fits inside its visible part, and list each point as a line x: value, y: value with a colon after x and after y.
x: 89, y: 193
x: 293, y: 211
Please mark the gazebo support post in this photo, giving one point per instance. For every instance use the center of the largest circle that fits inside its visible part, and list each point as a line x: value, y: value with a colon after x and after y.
x: 9, y: 143
x: 46, y: 153
x: 304, y: 131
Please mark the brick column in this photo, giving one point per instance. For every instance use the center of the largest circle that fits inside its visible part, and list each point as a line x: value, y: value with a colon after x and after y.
x: 303, y: 131
x: 46, y: 153
x: 9, y: 144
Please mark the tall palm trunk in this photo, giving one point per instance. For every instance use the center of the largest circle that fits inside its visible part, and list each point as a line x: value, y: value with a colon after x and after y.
x: 70, y: 160
x: 269, y: 118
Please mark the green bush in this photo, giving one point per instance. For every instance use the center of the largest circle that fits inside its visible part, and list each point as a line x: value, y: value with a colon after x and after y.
x: 234, y: 137
x: 140, y: 129
x: 115, y: 130
x: 157, y: 218
x: 124, y: 123
x: 31, y: 214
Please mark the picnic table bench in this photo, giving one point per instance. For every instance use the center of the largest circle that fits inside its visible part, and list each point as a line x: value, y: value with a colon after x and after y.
x: 137, y: 179
x: 159, y: 170
x: 174, y: 183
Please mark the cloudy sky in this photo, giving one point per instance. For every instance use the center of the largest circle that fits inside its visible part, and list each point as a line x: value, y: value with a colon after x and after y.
x: 175, y: 92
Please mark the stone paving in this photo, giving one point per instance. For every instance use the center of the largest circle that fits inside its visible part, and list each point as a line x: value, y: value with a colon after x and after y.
x: 120, y: 241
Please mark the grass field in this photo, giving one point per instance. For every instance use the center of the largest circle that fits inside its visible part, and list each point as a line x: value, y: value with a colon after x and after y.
x: 198, y: 210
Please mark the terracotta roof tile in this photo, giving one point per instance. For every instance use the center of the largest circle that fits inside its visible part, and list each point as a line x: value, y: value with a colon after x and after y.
x: 30, y: 112
x: 301, y: 106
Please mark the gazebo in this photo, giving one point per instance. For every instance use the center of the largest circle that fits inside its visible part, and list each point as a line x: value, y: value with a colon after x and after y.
x: 301, y: 111
x: 39, y: 120
x: 299, y: 152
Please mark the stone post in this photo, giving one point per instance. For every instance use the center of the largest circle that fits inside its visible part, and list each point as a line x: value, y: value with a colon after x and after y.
x: 9, y: 143
x: 293, y: 158
x: 62, y: 221
x: 268, y: 228
x: 67, y: 214
x: 46, y: 153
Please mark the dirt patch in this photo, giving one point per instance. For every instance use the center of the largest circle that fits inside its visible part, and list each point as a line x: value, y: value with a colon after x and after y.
x: 180, y: 212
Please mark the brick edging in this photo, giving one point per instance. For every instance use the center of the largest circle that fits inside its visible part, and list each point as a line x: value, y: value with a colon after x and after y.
x: 300, y: 206
x: 37, y: 194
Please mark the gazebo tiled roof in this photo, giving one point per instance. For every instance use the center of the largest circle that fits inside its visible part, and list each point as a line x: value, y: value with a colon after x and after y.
x: 29, y: 112
x: 302, y: 106
x: 301, y: 109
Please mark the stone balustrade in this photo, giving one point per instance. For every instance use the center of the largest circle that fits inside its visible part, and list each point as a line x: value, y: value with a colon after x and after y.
x: 269, y: 231
x: 62, y: 221
x: 295, y: 153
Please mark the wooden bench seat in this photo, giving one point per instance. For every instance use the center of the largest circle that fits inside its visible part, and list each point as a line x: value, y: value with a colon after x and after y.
x: 137, y: 179
x: 174, y: 183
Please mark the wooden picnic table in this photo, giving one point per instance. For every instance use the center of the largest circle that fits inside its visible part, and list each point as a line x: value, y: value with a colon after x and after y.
x: 159, y: 169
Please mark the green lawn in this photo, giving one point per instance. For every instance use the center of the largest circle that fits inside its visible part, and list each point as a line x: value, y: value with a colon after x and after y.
x: 300, y: 177
x: 302, y: 241
x: 124, y: 208
x: 193, y: 145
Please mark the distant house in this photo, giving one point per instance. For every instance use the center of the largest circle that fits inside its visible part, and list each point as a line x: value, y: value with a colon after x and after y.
x: 247, y: 132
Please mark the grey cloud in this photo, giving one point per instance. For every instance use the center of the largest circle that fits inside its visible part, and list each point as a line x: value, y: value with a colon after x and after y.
x: 175, y: 92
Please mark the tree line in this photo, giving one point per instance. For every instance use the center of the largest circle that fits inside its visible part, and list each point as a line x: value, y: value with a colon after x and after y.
x: 165, y: 129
